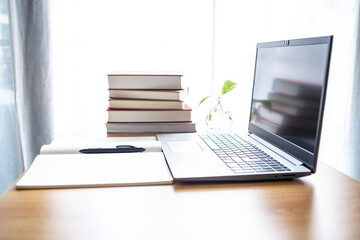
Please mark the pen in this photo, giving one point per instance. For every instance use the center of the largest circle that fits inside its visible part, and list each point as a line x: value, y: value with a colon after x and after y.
x: 118, y: 149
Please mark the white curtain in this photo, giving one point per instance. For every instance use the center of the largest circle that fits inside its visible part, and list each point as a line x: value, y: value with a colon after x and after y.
x: 354, y: 121
x: 32, y: 73
x: 26, y: 118
x: 10, y: 155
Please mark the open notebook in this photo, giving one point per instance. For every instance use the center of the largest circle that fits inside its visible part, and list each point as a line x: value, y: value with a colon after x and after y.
x: 56, y: 169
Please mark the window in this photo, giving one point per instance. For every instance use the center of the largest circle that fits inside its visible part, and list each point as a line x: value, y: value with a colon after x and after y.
x: 97, y: 37
x: 10, y: 161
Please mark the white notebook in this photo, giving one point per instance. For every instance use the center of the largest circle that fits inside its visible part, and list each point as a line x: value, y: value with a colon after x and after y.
x: 96, y: 170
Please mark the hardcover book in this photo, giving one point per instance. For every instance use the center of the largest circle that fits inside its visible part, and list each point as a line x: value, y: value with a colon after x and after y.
x: 150, y: 80
x: 151, y: 127
x: 115, y: 103
x: 156, y: 94
x: 147, y: 115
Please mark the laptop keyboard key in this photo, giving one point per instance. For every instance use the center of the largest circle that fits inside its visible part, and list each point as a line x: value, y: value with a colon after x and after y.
x: 241, y: 156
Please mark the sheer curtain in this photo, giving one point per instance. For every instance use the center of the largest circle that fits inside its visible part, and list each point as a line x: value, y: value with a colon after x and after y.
x: 26, y: 86
x: 354, y: 125
x: 10, y: 155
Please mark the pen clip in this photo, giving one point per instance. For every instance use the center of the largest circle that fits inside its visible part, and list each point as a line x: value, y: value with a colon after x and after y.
x: 125, y: 147
x: 130, y: 148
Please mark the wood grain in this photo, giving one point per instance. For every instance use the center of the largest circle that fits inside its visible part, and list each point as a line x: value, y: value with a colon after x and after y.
x: 323, y: 206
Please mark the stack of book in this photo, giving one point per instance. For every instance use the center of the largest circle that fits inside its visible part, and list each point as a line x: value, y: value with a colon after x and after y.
x: 292, y: 108
x: 147, y: 102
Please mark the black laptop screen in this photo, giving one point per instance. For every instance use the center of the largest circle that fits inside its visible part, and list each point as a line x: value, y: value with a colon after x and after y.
x: 287, y: 92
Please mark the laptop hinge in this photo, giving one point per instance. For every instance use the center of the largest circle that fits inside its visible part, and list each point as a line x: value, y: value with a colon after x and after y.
x: 276, y: 150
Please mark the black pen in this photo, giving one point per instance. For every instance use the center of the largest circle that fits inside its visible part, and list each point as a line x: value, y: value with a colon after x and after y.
x: 118, y: 149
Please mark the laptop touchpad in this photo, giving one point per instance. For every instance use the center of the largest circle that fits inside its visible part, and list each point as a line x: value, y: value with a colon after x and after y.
x: 184, y: 146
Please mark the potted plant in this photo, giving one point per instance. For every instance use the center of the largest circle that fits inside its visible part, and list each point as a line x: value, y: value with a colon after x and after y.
x: 218, y: 117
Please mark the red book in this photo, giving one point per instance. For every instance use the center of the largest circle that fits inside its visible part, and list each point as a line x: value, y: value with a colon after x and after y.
x: 149, y: 115
x: 150, y: 127
x: 117, y: 103
x: 154, y: 94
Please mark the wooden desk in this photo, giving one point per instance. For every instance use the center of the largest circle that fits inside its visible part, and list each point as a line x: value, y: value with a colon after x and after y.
x: 323, y: 206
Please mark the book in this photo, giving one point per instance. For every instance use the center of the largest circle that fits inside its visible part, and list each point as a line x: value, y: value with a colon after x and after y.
x: 293, y: 101
x: 282, y: 130
x: 96, y: 170
x: 59, y: 166
x: 147, y: 115
x: 151, y: 127
x: 294, y: 111
x: 147, y: 102
x: 145, y: 80
x: 299, y: 89
x: 157, y: 94
x: 283, y: 120
x: 116, y: 103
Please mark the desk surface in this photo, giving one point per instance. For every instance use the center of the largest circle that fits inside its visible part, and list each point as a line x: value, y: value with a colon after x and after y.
x: 322, y: 206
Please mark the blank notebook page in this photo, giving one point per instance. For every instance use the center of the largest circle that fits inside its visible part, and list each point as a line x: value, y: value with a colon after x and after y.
x: 94, y: 170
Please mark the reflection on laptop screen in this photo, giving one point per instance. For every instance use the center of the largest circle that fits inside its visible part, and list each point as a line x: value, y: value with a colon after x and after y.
x: 287, y: 91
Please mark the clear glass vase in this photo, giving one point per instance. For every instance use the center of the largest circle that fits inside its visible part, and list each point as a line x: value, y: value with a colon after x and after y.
x: 219, y: 119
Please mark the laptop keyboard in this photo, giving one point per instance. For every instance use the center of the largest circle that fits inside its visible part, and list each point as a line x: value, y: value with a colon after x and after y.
x: 241, y: 156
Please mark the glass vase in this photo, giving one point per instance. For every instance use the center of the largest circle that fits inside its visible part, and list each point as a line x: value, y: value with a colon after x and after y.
x: 219, y: 119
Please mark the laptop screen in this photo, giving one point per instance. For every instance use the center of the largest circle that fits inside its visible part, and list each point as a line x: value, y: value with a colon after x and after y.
x: 289, y: 91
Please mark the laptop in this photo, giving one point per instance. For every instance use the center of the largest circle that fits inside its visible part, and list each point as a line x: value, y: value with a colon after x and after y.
x: 285, y: 118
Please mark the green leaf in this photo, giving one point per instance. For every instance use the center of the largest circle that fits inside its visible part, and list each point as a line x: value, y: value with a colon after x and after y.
x: 266, y: 103
x: 228, y: 86
x: 202, y: 100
